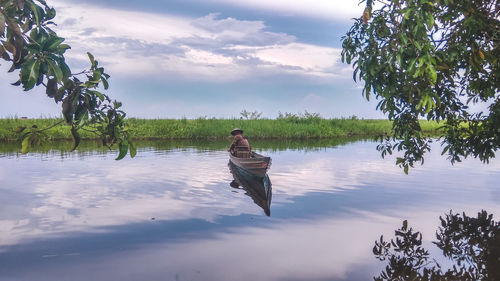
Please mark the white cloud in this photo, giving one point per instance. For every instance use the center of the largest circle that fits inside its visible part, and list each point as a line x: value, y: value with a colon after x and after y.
x: 302, y: 57
x: 206, y: 48
x: 340, y: 10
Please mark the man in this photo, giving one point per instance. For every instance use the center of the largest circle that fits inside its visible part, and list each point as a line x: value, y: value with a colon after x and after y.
x: 240, y: 146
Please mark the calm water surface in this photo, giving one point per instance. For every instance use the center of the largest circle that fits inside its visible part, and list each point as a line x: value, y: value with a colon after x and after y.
x: 171, y: 213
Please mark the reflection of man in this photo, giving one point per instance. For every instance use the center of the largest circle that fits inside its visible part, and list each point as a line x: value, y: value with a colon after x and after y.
x: 240, y: 146
x: 235, y: 184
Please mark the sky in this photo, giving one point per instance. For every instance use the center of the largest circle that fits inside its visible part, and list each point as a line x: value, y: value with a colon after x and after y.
x: 207, y: 58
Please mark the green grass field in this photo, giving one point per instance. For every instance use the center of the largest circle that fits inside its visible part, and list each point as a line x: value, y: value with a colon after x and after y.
x: 199, y: 129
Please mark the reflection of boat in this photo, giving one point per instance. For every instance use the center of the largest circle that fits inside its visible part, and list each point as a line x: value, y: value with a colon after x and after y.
x: 257, y: 164
x: 257, y: 187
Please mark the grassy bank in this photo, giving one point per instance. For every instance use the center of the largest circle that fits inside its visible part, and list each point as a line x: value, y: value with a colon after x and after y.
x: 289, y: 128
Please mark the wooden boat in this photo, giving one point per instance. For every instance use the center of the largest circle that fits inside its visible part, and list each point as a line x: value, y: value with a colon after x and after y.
x: 257, y: 187
x: 257, y: 164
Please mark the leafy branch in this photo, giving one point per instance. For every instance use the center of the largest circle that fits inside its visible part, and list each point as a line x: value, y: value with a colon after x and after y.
x: 37, y: 52
x: 432, y: 60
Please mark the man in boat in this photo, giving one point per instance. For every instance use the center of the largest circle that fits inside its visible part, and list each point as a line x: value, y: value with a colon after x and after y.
x: 240, y: 146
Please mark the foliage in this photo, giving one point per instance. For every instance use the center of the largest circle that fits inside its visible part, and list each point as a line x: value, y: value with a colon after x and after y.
x: 472, y: 243
x: 305, y: 117
x: 37, y: 52
x: 220, y: 128
x: 436, y: 60
x: 250, y: 115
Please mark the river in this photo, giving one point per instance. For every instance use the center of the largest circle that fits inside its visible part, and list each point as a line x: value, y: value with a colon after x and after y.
x: 174, y: 212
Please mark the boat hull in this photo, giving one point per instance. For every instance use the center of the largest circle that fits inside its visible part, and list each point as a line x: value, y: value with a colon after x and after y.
x: 257, y: 164
x: 257, y: 187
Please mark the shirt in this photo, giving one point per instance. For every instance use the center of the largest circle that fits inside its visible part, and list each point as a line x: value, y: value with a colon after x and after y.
x: 239, y: 140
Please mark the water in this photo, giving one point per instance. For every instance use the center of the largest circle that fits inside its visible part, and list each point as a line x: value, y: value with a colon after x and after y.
x: 171, y: 213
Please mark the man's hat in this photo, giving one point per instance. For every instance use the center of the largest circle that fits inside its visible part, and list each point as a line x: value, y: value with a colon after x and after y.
x: 236, y: 130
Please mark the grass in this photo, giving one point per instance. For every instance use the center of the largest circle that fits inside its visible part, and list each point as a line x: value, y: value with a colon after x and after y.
x: 206, y: 129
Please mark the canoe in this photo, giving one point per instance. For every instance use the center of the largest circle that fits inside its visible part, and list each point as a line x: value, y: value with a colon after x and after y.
x: 257, y: 164
x: 257, y: 187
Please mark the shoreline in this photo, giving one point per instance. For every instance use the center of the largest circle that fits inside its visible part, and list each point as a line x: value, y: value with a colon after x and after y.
x: 218, y: 129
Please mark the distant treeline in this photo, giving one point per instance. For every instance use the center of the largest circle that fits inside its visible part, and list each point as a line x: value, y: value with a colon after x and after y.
x: 289, y: 127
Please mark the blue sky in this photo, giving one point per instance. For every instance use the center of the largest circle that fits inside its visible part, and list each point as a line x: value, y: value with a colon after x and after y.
x: 214, y: 58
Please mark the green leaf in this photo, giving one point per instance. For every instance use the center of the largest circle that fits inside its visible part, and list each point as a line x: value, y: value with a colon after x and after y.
x: 132, y: 148
x: 25, y: 146
x: 80, y: 113
x: 430, y: 21
x: 404, y: 38
x: 62, y: 48
x: 98, y: 94
x: 51, y: 13
x: 406, y: 169
x: 37, y: 12
x: 123, y: 149
x: 105, y: 84
x: 408, y: 13
x: 96, y: 76
x: 25, y: 70
x: 30, y: 75
x: 55, y: 71
x: 445, y: 149
x: 432, y: 73
x: 53, y: 43
x: 92, y: 60
x: 418, y: 45
x: 411, y: 65
x: 64, y: 67
x: 32, y: 47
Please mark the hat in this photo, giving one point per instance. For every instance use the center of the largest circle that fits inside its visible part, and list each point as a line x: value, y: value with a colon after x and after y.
x: 235, y: 130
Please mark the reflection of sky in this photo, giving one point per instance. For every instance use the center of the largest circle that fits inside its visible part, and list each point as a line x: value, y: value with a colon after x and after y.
x: 75, y: 215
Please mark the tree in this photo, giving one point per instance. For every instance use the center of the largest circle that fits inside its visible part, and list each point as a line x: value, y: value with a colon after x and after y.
x: 37, y: 52
x: 473, y: 244
x: 437, y: 60
x: 250, y: 115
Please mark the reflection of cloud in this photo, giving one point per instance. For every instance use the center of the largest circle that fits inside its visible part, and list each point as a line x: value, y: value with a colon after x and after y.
x: 320, y: 249
x: 89, y: 194
x: 209, y: 47
x: 295, y: 250
x: 73, y: 199
x: 360, y: 166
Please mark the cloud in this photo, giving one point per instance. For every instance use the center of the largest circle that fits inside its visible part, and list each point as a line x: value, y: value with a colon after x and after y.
x: 139, y: 47
x: 230, y: 31
x: 208, y: 48
x: 339, y: 10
